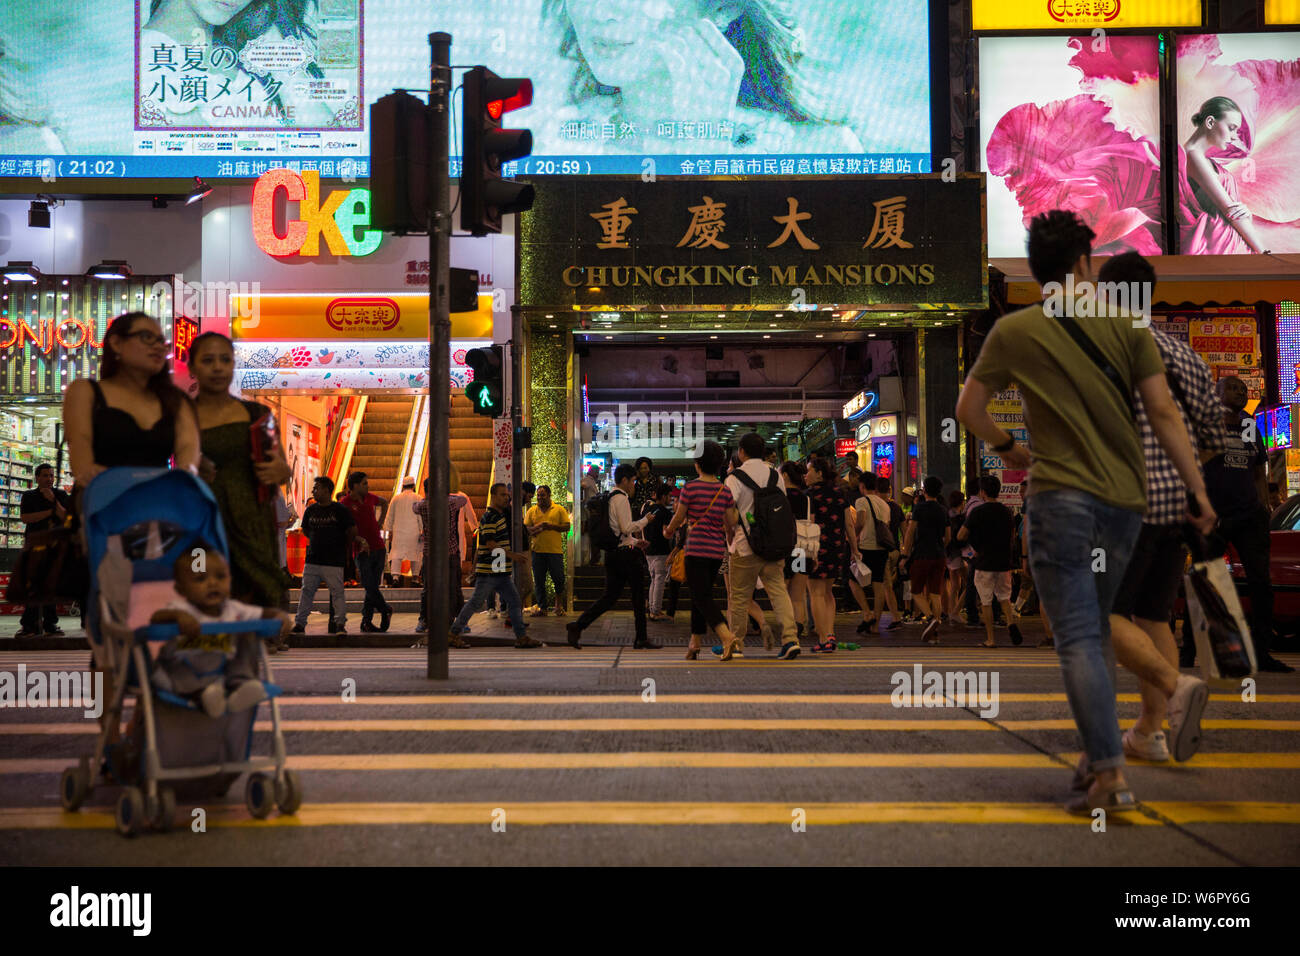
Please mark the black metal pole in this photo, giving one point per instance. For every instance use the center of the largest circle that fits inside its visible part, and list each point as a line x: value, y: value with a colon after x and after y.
x: 437, y: 610
x: 516, y: 422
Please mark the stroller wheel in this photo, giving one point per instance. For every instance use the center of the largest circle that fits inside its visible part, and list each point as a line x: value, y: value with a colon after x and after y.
x: 162, y: 811
x: 74, y: 787
x: 288, y: 793
x: 259, y: 795
x: 130, y: 811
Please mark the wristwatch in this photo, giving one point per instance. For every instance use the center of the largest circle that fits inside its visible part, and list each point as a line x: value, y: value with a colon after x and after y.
x: 1006, y: 445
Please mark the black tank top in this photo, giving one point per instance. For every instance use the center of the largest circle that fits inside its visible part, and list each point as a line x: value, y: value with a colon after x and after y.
x: 119, y: 441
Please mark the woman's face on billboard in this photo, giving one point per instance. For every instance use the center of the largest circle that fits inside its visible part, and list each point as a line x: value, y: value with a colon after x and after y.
x: 611, y: 33
x: 1226, y: 131
x: 217, y: 12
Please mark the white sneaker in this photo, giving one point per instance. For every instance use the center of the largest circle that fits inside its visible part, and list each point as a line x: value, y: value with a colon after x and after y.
x: 1145, y: 747
x: 1185, y: 709
x: 213, y: 699
x: 246, y: 695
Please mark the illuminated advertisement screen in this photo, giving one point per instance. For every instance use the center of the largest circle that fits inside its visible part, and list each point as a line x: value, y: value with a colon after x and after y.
x: 1288, y: 351
x: 1238, y: 127
x: 1072, y: 123
x: 231, y: 88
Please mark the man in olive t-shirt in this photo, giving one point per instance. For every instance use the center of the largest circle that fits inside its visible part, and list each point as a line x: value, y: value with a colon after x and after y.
x: 1088, y: 492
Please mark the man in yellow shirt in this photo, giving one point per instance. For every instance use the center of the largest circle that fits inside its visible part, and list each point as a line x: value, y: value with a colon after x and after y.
x: 548, y: 524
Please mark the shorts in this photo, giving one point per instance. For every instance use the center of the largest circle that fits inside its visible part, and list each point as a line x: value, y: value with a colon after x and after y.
x: 993, y: 584
x: 1151, y: 580
x: 876, y: 561
x: 926, y: 575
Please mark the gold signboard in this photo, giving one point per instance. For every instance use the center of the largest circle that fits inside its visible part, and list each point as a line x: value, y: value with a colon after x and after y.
x: 1086, y: 14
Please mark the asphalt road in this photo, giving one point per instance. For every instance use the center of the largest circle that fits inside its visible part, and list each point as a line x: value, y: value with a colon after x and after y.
x: 614, y: 756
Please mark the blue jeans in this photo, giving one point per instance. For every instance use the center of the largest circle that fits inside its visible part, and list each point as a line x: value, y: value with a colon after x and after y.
x: 544, y: 564
x: 1069, y: 532
x: 370, y: 568
x: 485, y: 586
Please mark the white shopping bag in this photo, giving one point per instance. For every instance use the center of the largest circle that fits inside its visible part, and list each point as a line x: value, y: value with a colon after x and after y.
x: 861, y: 573
x: 1223, y: 642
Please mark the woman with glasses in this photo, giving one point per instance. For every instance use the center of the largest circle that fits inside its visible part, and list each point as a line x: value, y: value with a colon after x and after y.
x: 132, y: 417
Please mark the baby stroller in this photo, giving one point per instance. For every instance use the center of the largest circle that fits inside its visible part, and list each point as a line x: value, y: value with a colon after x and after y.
x: 137, y: 522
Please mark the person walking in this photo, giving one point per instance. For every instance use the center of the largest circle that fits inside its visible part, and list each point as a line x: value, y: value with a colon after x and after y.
x: 330, y: 530
x: 990, y: 530
x: 835, y: 518
x: 244, y: 464
x: 924, y: 547
x: 1139, y: 622
x: 647, y: 484
x: 456, y: 505
x: 1089, y: 480
x: 623, y: 563
x: 494, y: 572
x: 796, y: 566
x: 1238, y: 484
x: 527, y: 489
x: 370, y: 559
x: 42, y: 508
x: 547, y: 525
x: 766, y: 529
x: 104, y: 422
x: 867, y: 544
x: 706, y: 509
x: 956, y: 567
x: 660, y: 548
x: 403, y: 529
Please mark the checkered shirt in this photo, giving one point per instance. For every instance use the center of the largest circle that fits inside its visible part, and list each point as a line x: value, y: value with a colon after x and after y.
x: 1203, y: 418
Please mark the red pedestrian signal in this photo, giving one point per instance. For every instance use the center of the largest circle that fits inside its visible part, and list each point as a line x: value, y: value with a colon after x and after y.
x: 484, y: 195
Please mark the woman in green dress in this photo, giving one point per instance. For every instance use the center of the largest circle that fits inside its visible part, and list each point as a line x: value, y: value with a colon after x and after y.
x: 243, y: 488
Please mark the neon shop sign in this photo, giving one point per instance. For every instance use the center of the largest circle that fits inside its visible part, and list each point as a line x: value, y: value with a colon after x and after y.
x: 342, y: 220
x: 67, y: 333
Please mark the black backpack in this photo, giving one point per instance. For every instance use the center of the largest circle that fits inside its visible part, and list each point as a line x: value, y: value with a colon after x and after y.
x: 771, y: 534
x: 601, y: 533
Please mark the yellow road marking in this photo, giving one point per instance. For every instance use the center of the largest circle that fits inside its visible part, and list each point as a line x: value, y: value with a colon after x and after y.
x: 609, y: 724
x: 675, y: 759
x: 679, y: 814
x: 634, y: 697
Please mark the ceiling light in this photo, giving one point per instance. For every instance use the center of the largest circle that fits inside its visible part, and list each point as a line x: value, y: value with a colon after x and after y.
x: 722, y: 315
x: 110, y: 269
x: 663, y: 316
x: 819, y: 335
x: 713, y: 336
x: 767, y: 336
x: 201, y: 190
x: 550, y: 316
x: 871, y: 335
x: 22, y: 271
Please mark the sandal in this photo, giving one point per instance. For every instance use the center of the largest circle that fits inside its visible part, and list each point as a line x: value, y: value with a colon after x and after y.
x: 1113, y: 799
x: 693, y: 651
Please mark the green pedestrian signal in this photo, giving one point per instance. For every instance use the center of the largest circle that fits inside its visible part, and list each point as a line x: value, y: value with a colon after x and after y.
x: 486, y: 392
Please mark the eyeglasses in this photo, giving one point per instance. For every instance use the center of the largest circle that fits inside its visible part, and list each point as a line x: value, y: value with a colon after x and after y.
x: 147, y: 337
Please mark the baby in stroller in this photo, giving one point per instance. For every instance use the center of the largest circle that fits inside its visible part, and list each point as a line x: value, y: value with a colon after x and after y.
x: 209, y: 669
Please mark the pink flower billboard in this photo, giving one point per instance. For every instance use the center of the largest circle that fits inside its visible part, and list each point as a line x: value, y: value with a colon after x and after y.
x: 1238, y: 127
x: 1072, y: 123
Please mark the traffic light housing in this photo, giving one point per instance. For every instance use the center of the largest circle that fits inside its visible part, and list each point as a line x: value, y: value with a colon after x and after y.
x: 486, y: 391
x: 484, y: 196
x: 399, y: 164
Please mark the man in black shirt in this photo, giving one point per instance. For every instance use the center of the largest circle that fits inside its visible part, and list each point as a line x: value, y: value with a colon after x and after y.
x: 1237, y: 483
x: 927, y: 536
x: 990, y: 528
x: 330, y: 530
x: 42, y: 508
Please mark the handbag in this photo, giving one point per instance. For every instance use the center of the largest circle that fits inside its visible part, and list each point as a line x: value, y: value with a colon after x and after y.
x: 808, y: 534
x: 51, y: 568
x: 678, y: 569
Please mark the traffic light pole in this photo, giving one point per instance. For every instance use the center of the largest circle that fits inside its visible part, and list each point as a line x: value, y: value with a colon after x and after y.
x: 437, y: 560
x: 517, y: 455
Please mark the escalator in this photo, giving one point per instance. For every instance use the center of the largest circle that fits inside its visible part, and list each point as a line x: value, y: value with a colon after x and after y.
x: 381, y: 441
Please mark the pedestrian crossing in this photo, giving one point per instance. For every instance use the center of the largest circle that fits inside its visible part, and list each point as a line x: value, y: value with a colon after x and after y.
x: 537, y: 736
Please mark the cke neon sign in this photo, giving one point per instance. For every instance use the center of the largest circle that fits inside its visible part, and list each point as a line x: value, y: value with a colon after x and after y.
x: 342, y: 220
